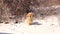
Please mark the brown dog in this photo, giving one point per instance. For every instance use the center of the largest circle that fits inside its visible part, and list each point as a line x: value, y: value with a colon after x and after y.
x: 29, y: 18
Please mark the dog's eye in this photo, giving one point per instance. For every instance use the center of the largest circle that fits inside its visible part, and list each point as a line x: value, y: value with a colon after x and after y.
x: 30, y: 16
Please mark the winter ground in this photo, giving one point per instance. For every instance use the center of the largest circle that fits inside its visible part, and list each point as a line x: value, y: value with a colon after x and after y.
x: 49, y: 25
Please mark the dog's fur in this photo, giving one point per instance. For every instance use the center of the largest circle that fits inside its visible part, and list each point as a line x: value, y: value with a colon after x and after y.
x: 29, y: 18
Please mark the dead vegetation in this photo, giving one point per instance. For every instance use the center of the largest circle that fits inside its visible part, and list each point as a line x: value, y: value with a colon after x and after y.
x: 17, y: 9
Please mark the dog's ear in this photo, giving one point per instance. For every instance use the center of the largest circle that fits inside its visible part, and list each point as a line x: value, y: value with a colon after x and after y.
x: 27, y: 15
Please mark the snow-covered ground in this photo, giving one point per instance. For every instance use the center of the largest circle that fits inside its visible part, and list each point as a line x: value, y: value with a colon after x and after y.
x: 49, y: 25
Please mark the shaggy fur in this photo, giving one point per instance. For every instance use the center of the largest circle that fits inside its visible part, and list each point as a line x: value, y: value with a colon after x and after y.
x: 29, y: 18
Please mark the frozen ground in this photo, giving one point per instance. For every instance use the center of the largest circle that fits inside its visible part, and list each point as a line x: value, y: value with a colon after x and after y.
x: 49, y: 25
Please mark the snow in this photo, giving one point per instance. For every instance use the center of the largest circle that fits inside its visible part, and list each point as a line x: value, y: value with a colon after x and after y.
x: 49, y: 25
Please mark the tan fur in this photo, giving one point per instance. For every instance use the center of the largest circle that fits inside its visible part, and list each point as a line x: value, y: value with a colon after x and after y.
x: 30, y: 18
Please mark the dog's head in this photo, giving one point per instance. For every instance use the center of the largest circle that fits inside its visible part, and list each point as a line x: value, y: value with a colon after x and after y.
x: 30, y: 14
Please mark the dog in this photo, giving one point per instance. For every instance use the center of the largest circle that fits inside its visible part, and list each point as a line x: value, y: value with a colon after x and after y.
x: 29, y: 18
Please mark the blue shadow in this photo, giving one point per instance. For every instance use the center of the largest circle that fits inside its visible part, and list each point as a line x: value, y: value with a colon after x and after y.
x: 36, y: 23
